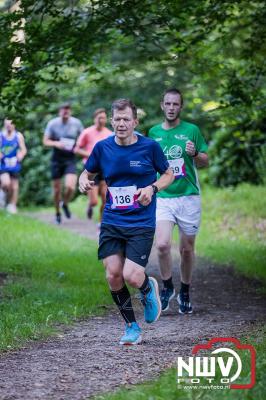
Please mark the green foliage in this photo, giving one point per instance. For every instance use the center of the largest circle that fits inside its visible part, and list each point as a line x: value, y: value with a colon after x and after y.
x: 260, y: 163
x: 237, y: 156
x: 45, y: 283
x: 35, y: 182
x: 90, y: 53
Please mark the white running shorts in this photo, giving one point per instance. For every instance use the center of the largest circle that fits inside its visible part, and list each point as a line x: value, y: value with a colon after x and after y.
x: 184, y: 211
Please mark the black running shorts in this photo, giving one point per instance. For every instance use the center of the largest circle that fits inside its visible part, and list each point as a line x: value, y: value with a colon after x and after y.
x: 62, y: 168
x: 134, y: 243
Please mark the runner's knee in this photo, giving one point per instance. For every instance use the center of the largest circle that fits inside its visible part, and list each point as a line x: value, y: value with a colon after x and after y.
x: 132, y: 277
x: 113, y: 274
x: 69, y: 188
x: 5, y: 182
x: 57, y: 191
x: 6, y: 186
x: 115, y: 279
x: 186, y: 251
x: 15, y: 184
x: 163, y: 248
x: 93, y: 202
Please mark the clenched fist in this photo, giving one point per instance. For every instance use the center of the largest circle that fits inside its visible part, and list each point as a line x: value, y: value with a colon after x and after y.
x: 84, y: 183
x: 145, y: 195
x: 190, y: 148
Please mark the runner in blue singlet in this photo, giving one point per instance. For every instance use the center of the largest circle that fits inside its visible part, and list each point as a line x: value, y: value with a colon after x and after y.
x: 12, y: 152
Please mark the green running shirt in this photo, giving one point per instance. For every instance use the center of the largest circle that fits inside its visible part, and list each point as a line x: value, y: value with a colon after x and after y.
x: 173, y: 142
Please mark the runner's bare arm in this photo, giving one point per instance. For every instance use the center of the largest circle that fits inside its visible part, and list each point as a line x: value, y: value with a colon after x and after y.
x: 80, y: 147
x: 165, y: 180
x: 81, y: 152
x: 145, y: 194
x: 52, y: 143
x: 22, y: 147
x: 201, y: 160
x: 86, y: 181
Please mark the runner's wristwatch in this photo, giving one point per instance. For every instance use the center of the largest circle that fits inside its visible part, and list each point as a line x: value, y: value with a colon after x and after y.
x: 155, y: 189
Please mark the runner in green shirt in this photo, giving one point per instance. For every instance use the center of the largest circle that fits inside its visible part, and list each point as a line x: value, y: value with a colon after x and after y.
x: 179, y: 204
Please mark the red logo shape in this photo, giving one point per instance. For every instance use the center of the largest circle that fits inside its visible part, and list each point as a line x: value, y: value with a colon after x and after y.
x: 239, y: 346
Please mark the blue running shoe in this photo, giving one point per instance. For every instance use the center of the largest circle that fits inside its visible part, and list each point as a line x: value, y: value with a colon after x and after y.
x: 152, y: 302
x: 166, y: 296
x: 132, y: 335
x: 184, y: 304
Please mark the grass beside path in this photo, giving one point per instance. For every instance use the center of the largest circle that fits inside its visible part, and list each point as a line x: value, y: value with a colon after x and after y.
x: 233, y: 229
x: 51, y: 276
x: 79, y: 208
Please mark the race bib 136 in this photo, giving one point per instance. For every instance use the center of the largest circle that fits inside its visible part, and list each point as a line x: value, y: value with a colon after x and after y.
x: 123, y: 197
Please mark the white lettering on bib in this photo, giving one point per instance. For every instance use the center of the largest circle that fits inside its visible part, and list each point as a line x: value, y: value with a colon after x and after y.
x: 123, y: 197
x: 178, y: 167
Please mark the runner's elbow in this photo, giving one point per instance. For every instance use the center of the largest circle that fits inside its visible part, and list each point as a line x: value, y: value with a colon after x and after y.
x: 205, y: 162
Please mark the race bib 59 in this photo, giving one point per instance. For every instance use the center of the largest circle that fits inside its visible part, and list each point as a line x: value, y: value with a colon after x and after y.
x: 178, y: 167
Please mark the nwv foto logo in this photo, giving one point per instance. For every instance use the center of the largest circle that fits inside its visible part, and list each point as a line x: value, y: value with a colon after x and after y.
x: 223, y: 365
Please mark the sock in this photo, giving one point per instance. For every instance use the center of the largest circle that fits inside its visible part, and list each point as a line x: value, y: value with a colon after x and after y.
x: 145, y: 287
x: 123, y: 301
x: 184, y: 289
x: 168, y: 283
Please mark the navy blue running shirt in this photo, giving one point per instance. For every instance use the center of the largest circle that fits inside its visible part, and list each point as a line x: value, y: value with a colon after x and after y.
x: 126, y: 169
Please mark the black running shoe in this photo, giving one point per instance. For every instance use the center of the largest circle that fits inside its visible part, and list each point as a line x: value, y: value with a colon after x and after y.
x: 90, y: 212
x: 66, y: 210
x: 184, y: 304
x: 58, y: 218
x: 166, y: 296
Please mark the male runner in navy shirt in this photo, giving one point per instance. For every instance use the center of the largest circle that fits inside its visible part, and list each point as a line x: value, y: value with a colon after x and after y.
x: 129, y: 164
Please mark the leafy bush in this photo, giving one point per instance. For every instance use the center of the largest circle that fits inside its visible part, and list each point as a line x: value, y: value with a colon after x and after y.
x: 238, y: 153
x: 35, y: 184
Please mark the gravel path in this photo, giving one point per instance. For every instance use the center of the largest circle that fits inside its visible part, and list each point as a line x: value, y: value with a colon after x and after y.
x: 85, y: 360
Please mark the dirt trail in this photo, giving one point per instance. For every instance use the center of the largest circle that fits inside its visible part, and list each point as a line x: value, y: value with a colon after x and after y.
x: 85, y: 360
